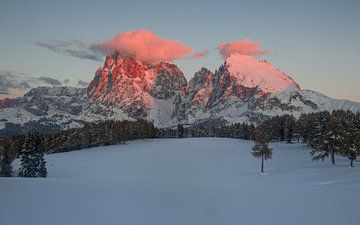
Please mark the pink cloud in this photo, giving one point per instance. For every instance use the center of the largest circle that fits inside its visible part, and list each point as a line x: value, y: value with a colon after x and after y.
x: 144, y: 45
x: 242, y: 47
x: 200, y: 54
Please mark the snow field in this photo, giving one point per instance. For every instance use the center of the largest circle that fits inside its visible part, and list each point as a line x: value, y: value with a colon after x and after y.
x: 197, y: 181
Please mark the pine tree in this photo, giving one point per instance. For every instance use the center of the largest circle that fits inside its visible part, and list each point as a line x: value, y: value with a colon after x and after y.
x: 180, y: 131
x: 261, y: 148
x: 305, y: 126
x: 334, y: 138
x: 316, y: 139
x: 352, y: 144
x: 32, y: 158
x: 356, y: 120
x: 5, y: 164
x: 289, y: 124
x: 28, y: 161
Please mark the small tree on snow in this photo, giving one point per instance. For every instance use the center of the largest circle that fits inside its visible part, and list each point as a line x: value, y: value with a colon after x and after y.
x: 261, y: 148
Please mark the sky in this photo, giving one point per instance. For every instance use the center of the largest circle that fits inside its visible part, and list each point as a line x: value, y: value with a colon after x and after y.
x: 316, y: 42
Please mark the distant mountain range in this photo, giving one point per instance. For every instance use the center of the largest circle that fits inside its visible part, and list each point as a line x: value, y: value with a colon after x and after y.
x: 243, y: 89
x: 14, y: 84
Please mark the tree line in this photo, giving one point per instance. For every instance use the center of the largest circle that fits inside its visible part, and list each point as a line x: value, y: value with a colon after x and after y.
x: 328, y: 134
x: 31, y: 147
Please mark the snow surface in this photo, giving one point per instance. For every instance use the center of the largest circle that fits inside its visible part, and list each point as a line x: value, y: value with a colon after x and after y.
x: 161, y: 112
x: 261, y: 74
x: 208, y: 181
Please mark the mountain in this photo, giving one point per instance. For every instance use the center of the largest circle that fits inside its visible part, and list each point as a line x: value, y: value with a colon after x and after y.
x: 49, y: 109
x: 140, y: 89
x: 243, y: 89
x: 14, y: 84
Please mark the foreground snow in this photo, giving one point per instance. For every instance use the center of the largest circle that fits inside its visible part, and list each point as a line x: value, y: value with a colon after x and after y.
x: 184, y: 181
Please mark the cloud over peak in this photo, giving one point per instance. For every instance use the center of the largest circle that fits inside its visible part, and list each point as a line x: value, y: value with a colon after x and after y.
x: 242, y: 47
x: 142, y: 44
x: 146, y: 46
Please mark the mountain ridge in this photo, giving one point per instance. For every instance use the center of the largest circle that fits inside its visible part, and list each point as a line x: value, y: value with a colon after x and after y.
x: 243, y: 89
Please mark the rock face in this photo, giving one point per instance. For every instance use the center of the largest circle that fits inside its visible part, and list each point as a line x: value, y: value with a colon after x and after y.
x: 135, y: 86
x: 243, y: 89
x: 240, y: 86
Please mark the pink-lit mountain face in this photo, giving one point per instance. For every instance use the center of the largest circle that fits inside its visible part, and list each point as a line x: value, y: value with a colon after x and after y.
x: 133, y: 85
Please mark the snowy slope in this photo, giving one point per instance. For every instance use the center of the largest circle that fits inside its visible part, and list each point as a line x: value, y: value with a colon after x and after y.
x: 262, y: 75
x: 184, y: 181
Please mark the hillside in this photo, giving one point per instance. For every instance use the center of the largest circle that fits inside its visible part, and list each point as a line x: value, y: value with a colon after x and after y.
x: 184, y: 181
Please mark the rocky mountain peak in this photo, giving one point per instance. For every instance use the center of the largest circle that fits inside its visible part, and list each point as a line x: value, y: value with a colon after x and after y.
x: 133, y: 85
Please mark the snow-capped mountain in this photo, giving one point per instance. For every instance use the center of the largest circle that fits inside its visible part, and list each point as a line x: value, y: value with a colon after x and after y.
x: 243, y: 89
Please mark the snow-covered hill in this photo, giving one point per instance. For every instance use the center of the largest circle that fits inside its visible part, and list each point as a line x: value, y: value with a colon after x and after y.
x: 205, y: 181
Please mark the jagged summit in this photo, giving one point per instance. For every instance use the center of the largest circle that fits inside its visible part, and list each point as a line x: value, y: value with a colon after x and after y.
x: 252, y: 73
x: 133, y: 85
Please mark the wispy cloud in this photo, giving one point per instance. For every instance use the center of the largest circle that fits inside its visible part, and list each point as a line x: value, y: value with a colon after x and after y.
x: 76, y: 48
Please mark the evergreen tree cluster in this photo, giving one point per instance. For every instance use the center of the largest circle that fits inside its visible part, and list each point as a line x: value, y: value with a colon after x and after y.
x: 91, y: 135
x: 281, y: 128
x: 331, y: 134
x: 236, y: 130
x: 99, y: 134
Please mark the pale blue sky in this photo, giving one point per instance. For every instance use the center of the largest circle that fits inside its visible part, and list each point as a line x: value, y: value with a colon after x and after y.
x: 316, y: 42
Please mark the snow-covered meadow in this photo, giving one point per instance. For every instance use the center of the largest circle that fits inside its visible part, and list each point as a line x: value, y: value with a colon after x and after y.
x: 205, y: 181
